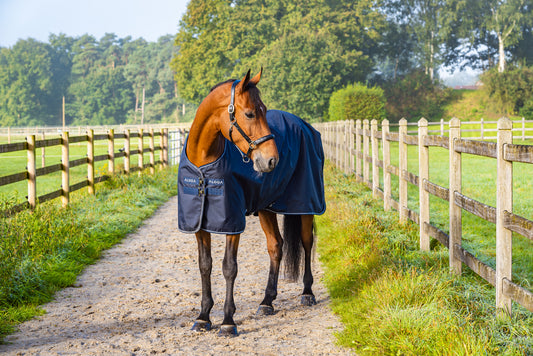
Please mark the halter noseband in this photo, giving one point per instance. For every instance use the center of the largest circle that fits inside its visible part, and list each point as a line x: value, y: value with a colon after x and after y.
x: 252, y: 145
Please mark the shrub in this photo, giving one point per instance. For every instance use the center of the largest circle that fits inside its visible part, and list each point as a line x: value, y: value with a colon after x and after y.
x: 415, y: 96
x: 527, y: 110
x: 511, y: 90
x: 355, y: 102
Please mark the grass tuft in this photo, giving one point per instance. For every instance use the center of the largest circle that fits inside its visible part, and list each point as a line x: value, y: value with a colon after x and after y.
x: 43, y: 251
x: 394, y: 299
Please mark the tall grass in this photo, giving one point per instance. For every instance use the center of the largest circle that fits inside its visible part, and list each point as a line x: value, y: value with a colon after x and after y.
x: 44, y: 250
x: 479, y: 183
x: 394, y: 299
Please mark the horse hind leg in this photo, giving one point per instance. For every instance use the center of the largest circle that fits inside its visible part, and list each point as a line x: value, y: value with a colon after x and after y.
x: 308, y: 298
x: 205, y: 262
x: 269, y: 223
x: 229, y: 269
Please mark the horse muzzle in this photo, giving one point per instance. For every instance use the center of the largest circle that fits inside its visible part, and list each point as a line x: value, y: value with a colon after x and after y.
x: 264, y: 165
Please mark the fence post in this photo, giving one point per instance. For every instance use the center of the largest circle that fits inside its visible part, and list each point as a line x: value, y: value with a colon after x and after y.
x: 455, y: 186
x: 162, y: 148
x: 423, y: 175
x: 65, y: 166
x: 152, y: 151
x: 358, y: 173
x: 9, y: 135
x: 43, y: 153
x: 523, y: 128
x: 347, y: 148
x: 504, y: 202
x: 375, y: 158
x: 32, y: 172
x: 165, y: 148
x: 352, y: 142
x: 482, y: 129
x: 402, y: 162
x: 442, y: 127
x: 111, y: 151
x: 366, y: 153
x: 141, y: 151
x: 90, y: 161
x: 127, y: 151
x: 386, y: 163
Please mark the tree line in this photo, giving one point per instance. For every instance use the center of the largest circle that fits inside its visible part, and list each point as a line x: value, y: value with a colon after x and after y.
x: 308, y: 48
x: 311, y: 48
x: 102, y: 81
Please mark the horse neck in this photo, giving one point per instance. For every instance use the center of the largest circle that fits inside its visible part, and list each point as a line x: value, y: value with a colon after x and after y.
x: 205, y: 143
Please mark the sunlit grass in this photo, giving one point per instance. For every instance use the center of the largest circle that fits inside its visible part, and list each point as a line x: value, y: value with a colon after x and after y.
x: 43, y: 251
x: 478, y: 183
x: 16, y: 162
x: 394, y: 299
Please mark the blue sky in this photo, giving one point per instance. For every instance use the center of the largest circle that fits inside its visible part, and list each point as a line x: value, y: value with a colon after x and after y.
x: 149, y: 19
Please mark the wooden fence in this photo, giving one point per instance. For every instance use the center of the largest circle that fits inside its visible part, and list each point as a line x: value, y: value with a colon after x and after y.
x: 13, y: 134
x: 354, y: 147
x: 31, y: 145
x: 480, y: 130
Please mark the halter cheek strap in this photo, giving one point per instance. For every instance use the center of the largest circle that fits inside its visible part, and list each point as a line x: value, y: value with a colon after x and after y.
x: 252, y: 145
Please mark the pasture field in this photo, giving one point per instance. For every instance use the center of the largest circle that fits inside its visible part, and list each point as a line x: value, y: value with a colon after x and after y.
x: 395, y: 299
x: 479, y: 183
x: 43, y: 251
x: 15, y: 162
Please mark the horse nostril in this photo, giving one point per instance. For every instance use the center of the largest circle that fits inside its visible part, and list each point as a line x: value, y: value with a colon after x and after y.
x: 272, y: 163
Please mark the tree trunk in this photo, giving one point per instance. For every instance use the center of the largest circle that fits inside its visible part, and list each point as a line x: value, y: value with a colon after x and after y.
x: 431, y: 55
x: 501, y: 53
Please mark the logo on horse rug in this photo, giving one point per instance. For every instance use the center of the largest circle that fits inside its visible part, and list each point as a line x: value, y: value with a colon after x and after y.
x: 217, y: 197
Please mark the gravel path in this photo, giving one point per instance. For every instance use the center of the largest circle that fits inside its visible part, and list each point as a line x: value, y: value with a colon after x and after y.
x: 142, y: 297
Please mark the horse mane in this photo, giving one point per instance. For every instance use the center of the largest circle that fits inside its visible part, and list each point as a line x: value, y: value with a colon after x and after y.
x: 222, y: 83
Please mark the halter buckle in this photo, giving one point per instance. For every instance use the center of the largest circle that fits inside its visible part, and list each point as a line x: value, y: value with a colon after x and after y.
x: 231, y: 108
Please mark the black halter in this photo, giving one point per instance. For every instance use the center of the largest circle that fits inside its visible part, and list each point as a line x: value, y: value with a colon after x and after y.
x: 252, y: 145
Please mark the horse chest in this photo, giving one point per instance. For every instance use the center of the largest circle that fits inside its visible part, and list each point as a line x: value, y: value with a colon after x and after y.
x: 218, y: 196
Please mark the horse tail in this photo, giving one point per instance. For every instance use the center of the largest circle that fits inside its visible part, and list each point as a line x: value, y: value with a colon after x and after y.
x: 292, y: 245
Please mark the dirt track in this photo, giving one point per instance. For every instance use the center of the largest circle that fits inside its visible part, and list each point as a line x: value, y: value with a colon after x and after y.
x: 142, y: 297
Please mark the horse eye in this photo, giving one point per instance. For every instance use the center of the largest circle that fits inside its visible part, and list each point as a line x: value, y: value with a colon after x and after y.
x: 250, y: 115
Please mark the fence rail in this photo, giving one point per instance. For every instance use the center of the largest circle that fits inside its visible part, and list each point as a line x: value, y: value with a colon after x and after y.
x: 483, y: 130
x: 12, y: 134
x: 168, y: 154
x: 354, y: 146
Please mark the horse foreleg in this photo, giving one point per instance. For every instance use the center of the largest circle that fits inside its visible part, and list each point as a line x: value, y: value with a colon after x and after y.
x: 269, y: 223
x: 308, y: 297
x: 205, y: 263
x: 229, y: 269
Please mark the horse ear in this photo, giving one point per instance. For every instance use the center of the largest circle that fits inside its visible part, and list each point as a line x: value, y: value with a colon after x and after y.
x: 244, y: 82
x: 257, y: 77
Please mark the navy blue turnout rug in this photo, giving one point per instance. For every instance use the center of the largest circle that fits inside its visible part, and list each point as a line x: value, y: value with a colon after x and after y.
x: 216, y: 197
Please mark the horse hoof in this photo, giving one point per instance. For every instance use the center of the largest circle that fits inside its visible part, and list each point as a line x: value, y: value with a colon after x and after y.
x: 265, y: 310
x: 201, y: 325
x: 228, y: 330
x: 308, y: 300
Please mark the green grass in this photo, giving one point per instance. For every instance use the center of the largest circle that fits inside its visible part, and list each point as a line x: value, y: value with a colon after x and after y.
x: 16, y: 162
x: 472, y: 105
x: 479, y: 183
x: 394, y: 299
x: 43, y: 251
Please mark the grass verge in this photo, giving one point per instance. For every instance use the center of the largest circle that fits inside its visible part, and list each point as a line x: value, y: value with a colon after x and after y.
x: 394, y: 299
x: 43, y: 251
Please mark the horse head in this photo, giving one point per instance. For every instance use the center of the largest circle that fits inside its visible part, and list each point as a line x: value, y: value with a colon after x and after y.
x: 247, y: 127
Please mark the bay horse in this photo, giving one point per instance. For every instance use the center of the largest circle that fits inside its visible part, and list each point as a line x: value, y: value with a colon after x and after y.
x: 240, y: 159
